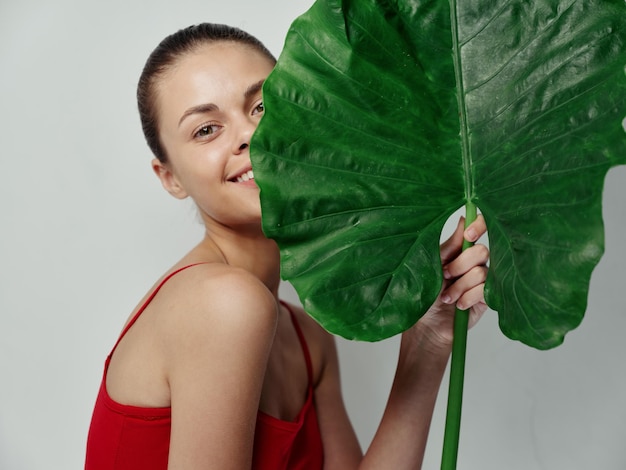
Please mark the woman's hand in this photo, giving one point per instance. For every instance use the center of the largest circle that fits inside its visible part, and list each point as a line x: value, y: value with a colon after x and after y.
x: 463, y: 287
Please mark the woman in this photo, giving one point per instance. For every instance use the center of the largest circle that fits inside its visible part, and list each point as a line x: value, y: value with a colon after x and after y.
x: 212, y: 371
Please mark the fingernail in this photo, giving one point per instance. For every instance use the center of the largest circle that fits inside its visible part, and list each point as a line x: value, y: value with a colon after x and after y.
x: 446, y: 274
x: 470, y: 234
x: 446, y: 299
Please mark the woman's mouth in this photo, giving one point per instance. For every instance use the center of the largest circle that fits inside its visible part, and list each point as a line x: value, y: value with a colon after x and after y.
x: 247, y: 176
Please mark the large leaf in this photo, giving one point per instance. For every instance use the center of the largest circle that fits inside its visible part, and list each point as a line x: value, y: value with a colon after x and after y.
x: 384, y: 117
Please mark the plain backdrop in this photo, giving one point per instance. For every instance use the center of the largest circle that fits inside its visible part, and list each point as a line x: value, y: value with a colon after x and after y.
x: 86, y: 229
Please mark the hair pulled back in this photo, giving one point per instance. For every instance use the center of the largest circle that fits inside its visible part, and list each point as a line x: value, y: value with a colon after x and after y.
x: 166, y: 54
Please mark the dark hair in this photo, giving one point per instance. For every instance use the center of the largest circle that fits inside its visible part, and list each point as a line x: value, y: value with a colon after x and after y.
x: 165, y: 56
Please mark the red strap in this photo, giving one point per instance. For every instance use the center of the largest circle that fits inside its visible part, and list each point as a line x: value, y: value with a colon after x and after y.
x: 305, y: 348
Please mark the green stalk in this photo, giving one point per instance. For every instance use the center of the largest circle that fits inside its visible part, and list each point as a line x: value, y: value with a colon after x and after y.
x: 457, y: 372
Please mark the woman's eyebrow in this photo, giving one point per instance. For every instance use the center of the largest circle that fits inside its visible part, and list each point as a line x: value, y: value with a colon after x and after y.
x: 201, y: 108
x: 253, y: 89
x: 208, y: 107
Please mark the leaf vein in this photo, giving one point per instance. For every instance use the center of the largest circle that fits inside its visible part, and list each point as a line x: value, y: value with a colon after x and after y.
x: 541, y: 175
x: 521, y: 49
x: 421, y: 184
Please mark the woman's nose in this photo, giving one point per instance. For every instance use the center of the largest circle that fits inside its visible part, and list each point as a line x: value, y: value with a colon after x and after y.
x: 244, y: 135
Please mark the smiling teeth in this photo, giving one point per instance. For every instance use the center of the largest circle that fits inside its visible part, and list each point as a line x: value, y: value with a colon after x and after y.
x: 248, y: 175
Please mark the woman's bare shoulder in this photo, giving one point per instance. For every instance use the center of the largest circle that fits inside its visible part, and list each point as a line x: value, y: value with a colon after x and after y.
x: 212, y: 298
x: 215, y: 278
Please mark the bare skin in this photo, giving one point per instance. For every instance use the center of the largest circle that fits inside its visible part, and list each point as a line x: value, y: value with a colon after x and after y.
x: 215, y: 344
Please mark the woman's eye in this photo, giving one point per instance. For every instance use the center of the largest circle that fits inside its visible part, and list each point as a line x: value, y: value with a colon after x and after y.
x: 206, y: 131
x: 259, y: 109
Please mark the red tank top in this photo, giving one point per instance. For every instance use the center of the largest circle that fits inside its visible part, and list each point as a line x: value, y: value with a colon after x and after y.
x: 123, y: 437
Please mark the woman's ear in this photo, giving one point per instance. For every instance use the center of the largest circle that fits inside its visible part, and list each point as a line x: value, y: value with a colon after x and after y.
x: 168, y: 179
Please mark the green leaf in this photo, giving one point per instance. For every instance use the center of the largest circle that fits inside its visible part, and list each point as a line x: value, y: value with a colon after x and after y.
x: 384, y: 117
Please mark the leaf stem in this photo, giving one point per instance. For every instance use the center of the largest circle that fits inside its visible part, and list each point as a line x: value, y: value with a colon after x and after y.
x: 457, y: 372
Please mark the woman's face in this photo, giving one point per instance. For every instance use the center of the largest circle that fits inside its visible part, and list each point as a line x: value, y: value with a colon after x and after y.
x: 209, y: 105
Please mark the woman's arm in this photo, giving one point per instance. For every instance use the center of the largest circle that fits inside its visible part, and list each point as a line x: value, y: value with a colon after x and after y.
x: 219, y: 353
x: 400, y: 440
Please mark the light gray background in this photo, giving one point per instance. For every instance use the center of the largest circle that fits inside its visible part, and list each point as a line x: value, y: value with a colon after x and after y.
x: 86, y: 229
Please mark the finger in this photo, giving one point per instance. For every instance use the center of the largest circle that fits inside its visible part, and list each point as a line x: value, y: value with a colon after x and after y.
x: 457, y: 291
x: 472, y: 299
x: 453, y: 245
x: 477, y: 255
x: 476, y: 229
